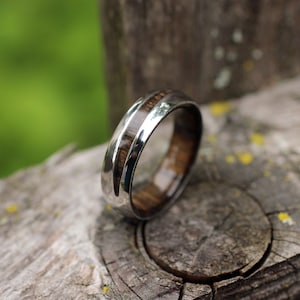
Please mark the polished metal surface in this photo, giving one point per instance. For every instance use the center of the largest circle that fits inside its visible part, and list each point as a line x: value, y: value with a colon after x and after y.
x: 120, y: 196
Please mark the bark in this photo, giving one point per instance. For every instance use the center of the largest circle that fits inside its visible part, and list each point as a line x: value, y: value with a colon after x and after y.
x: 209, y: 49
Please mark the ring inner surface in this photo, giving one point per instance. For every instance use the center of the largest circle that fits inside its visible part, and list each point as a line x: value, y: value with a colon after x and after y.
x: 149, y: 196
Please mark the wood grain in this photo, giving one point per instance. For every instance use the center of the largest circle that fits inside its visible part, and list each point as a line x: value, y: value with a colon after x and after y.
x: 223, y: 233
x: 156, y: 191
x: 59, y: 240
x: 130, y: 133
x: 209, y: 49
x: 282, y: 281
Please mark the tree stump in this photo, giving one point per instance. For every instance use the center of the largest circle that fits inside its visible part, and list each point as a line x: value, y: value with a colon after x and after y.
x: 233, y: 234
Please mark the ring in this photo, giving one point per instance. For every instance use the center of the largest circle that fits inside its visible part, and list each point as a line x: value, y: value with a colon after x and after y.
x: 128, y: 142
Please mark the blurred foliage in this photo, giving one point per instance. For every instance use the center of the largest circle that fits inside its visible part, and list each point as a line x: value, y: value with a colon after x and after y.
x: 52, y: 90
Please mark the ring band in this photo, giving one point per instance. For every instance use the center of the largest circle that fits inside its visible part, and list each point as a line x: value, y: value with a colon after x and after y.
x: 128, y: 142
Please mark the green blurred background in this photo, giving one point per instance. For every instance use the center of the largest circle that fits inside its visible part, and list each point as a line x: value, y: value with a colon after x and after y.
x: 52, y: 88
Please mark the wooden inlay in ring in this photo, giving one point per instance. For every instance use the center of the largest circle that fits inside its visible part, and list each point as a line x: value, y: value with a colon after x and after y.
x: 130, y: 134
x: 174, y: 167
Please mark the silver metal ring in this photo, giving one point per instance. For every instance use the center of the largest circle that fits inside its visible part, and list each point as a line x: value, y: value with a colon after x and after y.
x: 128, y: 142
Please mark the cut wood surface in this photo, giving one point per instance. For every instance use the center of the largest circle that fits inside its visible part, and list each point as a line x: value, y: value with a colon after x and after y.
x: 209, y: 49
x: 233, y: 234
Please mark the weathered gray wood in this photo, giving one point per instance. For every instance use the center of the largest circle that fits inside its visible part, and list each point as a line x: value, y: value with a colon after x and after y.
x: 210, y: 49
x: 132, y: 276
x: 282, y: 281
x: 48, y: 215
x: 59, y: 240
x: 192, y: 291
x: 216, y: 236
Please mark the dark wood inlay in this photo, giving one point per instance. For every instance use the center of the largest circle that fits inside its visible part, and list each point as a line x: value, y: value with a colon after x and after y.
x: 131, y: 132
x: 172, y: 170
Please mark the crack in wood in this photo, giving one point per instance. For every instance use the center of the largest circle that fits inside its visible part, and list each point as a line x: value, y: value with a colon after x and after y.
x: 181, y: 291
x: 213, y: 278
x: 204, y: 238
x: 130, y: 288
x: 280, y: 281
